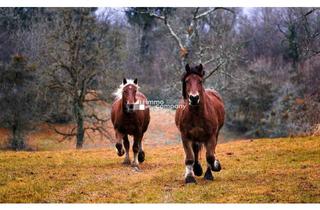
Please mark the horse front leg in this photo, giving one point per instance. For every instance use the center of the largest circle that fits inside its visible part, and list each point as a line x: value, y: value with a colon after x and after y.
x: 126, y: 144
x: 189, y: 161
x: 212, y: 163
x: 197, y: 169
x: 136, y: 148
x: 119, y: 146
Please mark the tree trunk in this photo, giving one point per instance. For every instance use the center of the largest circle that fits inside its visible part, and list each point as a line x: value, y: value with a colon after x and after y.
x: 78, y: 111
x: 17, y: 142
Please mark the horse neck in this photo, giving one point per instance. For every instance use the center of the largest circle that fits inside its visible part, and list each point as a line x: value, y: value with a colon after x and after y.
x: 122, y: 108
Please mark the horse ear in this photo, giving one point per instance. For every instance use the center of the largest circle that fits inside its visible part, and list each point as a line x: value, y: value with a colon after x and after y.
x: 135, y: 81
x: 124, y: 81
x: 187, y: 68
x: 200, y: 69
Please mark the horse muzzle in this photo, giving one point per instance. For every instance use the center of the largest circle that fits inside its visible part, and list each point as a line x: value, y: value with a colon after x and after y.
x: 129, y: 108
x: 194, y: 100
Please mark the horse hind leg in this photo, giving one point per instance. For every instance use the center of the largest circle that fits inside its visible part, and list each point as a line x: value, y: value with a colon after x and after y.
x: 126, y: 144
x: 141, y: 154
x: 119, y: 146
x: 197, y: 169
x: 216, y: 164
x: 210, y: 159
x: 189, y: 162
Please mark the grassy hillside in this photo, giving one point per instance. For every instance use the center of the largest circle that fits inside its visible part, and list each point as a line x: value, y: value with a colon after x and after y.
x: 262, y: 171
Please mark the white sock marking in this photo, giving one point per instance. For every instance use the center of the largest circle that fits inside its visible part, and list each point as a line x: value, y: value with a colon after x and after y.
x: 189, y: 170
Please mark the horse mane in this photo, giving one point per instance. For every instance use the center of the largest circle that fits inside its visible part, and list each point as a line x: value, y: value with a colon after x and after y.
x: 118, y: 93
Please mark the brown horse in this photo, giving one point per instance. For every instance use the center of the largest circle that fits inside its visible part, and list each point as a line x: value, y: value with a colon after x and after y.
x: 199, y: 118
x: 130, y: 116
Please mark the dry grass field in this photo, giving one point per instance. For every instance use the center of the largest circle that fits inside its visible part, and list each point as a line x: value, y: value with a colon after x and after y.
x: 260, y: 171
x: 284, y: 170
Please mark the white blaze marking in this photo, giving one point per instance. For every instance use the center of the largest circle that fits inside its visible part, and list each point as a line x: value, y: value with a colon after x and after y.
x: 194, y: 94
x: 118, y: 92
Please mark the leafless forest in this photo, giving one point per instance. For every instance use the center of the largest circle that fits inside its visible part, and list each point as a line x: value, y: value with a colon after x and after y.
x: 58, y: 65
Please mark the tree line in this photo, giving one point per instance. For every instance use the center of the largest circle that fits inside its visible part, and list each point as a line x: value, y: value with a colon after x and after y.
x: 55, y: 63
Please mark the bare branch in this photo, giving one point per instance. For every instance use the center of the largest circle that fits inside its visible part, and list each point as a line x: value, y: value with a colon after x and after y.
x: 98, y: 119
x: 214, y: 70
x: 212, y: 10
x: 164, y: 18
x: 281, y: 30
x: 102, y: 131
x: 94, y: 100
x: 309, y: 12
x: 232, y: 77
x: 195, y: 12
x: 67, y: 135
x: 205, y: 13
x: 175, y: 35
x: 210, y: 60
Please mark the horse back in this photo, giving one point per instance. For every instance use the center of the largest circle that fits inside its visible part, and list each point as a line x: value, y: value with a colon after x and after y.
x: 215, y: 100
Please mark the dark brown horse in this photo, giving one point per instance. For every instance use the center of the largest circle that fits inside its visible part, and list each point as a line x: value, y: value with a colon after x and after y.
x: 199, y: 118
x: 130, y: 116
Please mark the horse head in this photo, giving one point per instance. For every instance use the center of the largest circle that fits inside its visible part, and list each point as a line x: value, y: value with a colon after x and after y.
x: 192, y: 87
x: 129, y: 92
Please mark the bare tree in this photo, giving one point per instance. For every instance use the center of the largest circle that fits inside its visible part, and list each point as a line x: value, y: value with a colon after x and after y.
x: 301, y: 32
x: 74, y: 56
x: 188, y: 40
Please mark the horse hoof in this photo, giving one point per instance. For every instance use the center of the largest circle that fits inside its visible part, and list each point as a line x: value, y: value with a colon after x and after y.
x: 121, y: 153
x: 208, y: 175
x: 216, y: 166
x: 197, y: 169
x: 133, y: 164
x: 126, y: 162
x: 141, y: 156
x: 190, y: 179
x: 136, y: 169
x: 120, y: 150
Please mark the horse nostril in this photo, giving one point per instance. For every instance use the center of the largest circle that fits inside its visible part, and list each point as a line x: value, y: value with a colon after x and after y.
x: 194, y: 99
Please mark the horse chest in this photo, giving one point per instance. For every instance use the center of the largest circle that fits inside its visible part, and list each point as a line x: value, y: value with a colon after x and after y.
x: 197, y: 129
x: 129, y: 126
